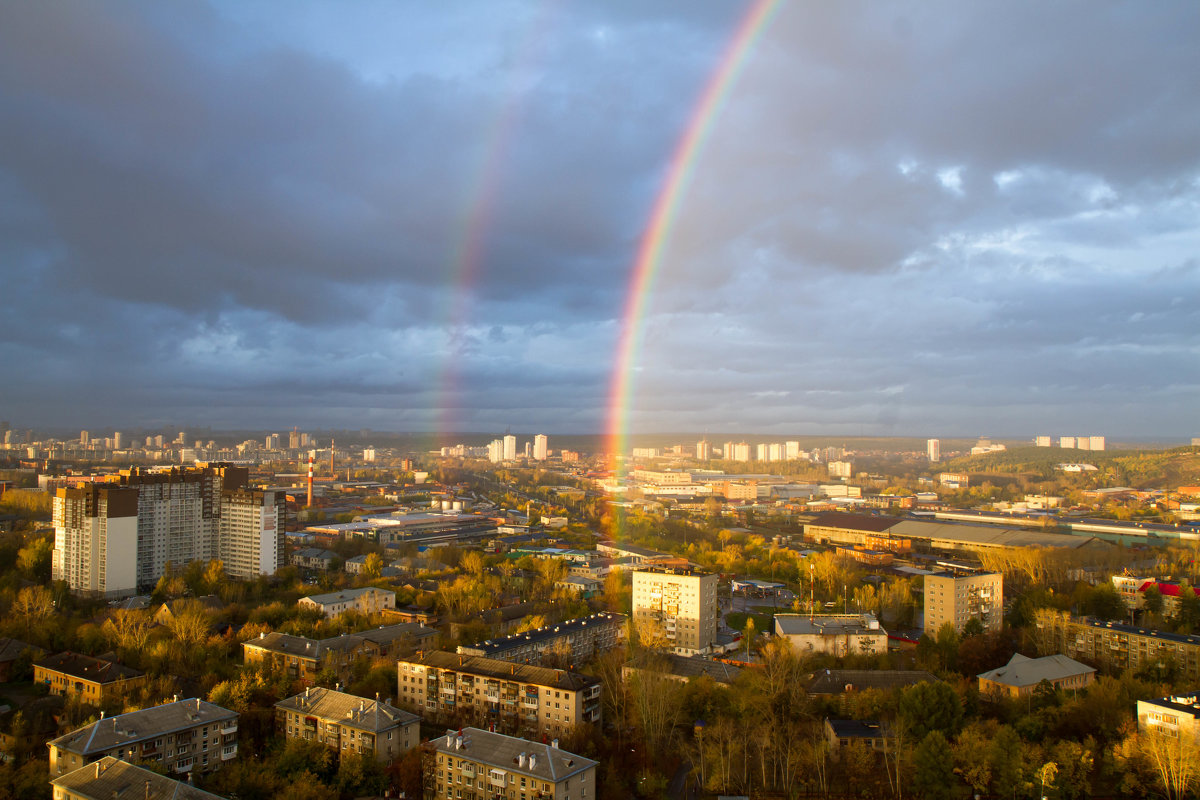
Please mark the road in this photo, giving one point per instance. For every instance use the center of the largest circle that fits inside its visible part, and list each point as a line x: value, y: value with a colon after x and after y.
x: 682, y: 786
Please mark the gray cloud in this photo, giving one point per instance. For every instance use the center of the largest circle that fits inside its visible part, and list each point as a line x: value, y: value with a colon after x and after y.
x: 934, y: 218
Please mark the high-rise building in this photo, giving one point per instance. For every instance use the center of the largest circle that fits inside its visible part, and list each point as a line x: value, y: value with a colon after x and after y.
x: 272, y: 441
x: 791, y: 450
x: 933, y: 448
x: 293, y: 439
x: 95, y: 530
x: 510, y: 447
x: 1066, y: 442
x: 496, y: 451
x: 1042, y: 441
x: 541, y: 447
x: 679, y: 604
x: 741, y: 452
x: 181, y: 438
x: 250, y: 532
x: 1097, y: 442
x: 956, y: 598
x: 158, y: 440
x: 176, y: 516
x: 117, y: 440
x: 83, y: 438
x: 760, y: 451
x: 703, y: 450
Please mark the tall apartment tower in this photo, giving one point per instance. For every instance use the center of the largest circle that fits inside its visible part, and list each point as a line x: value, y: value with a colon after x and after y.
x: 250, y: 532
x: 680, y: 604
x: 510, y: 447
x: 933, y: 447
x: 703, y: 450
x: 541, y: 447
x: 95, y: 539
x: 495, y: 451
x: 956, y: 598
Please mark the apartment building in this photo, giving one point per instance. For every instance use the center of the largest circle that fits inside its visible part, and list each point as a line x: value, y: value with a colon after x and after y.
x: 573, y: 641
x: 304, y: 658
x: 836, y: 634
x: 475, y: 764
x: 250, y: 532
x: 112, y: 538
x: 510, y: 697
x: 1176, y: 716
x: 1116, y: 647
x: 368, y: 600
x: 182, y: 736
x: 678, y: 603
x: 348, y: 723
x: 112, y: 778
x: 958, y: 597
x: 92, y: 680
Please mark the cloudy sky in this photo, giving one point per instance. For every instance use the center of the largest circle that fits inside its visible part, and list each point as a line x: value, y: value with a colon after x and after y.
x: 908, y: 218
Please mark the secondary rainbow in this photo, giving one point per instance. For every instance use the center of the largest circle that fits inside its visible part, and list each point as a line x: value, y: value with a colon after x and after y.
x: 662, y: 218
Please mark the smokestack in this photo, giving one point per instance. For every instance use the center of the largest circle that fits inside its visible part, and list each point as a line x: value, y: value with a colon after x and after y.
x: 310, y: 470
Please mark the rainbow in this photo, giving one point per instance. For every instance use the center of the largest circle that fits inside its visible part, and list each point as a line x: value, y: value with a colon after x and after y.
x: 471, y: 240
x: 662, y: 218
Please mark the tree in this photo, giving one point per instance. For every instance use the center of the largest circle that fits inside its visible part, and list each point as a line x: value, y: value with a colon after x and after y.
x: 1105, y: 603
x: 33, y: 606
x: 128, y: 630
x: 933, y: 775
x: 372, y: 566
x: 1152, y: 601
x: 930, y: 706
x: 1176, y: 760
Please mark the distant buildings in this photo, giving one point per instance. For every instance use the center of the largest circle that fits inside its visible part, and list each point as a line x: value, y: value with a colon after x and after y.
x: 510, y: 447
x: 933, y: 448
x: 678, y: 603
x: 303, y: 658
x: 703, y: 450
x: 957, y: 598
x: 573, y: 641
x: 835, y: 634
x: 541, y: 447
x: 91, y: 680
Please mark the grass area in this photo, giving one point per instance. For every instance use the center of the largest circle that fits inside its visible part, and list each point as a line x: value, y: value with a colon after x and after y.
x: 762, y: 622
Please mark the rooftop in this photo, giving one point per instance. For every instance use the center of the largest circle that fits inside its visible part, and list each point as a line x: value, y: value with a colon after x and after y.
x: 548, y: 763
x: 506, y: 670
x: 689, y: 667
x: 88, y: 668
x: 545, y: 633
x: 345, y: 594
x: 111, y: 777
x: 1024, y: 671
x: 836, y: 681
x: 348, y: 709
x: 135, y: 726
x: 827, y: 624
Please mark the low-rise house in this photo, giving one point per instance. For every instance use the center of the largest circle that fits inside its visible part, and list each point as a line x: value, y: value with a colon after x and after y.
x: 314, y: 558
x: 478, y: 763
x: 510, y: 697
x: 113, y: 778
x: 348, y: 723
x: 682, y: 668
x: 836, y: 634
x: 839, y: 681
x: 93, y: 680
x: 16, y: 655
x: 182, y: 736
x: 209, y: 603
x: 580, y: 585
x: 303, y: 658
x: 1176, y: 716
x: 842, y: 732
x: 368, y: 600
x: 1022, y: 675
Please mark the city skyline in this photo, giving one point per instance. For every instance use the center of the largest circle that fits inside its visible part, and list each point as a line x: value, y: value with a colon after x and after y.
x: 898, y: 222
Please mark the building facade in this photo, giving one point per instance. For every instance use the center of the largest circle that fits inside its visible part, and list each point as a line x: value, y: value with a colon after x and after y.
x: 182, y: 736
x: 95, y: 530
x: 250, y: 532
x: 368, y: 600
x: 836, y: 634
x: 680, y: 604
x: 348, y: 723
x: 1177, y: 716
x: 956, y: 598
x: 475, y: 764
x: 92, y: 680
x: 1022, y: 675
x: 510, y: 697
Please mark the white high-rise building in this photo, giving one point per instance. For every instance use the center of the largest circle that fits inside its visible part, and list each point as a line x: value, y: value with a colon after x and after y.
x: 83, y: 438
x: 791, y: 450
x: 933, y: 448
x: 369, y: 454
x: 95, y: 532
x: 250, y: 532
x: 1066, y: 442
x: 1097, y: 442
x: 741, y: 452
x: 541, y: 447
x: 1042, y: 441
x: 703, y: 450
x: 510, y: 447
x: 118, y: 438
x: 760, y: 451
x: 495, y: 451
x: 680, y: 604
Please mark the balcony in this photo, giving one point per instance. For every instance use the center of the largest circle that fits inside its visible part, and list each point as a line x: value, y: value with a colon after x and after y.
x: 228, y: 752
x: 229, y: 727
x: 529, y: 702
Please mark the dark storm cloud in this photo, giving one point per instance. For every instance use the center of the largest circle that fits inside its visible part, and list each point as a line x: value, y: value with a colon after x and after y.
x: 905, y: 218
